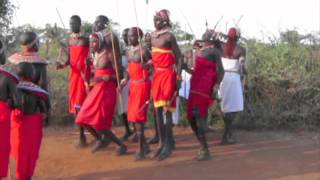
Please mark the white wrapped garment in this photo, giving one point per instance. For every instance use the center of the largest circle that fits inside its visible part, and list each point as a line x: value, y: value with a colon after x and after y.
x: 231, y: 88
x: 175, y: 115
x: 183, y: 92
x: 125, y: 91
x: 185, y: 84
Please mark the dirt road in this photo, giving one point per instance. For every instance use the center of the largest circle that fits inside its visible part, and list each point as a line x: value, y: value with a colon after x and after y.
x: 258, y: 155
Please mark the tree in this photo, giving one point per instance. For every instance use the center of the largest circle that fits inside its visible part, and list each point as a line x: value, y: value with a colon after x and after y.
x: 6, y: 12
x: 11, y: 39
x: 180, y: 34
x: 87, y: 27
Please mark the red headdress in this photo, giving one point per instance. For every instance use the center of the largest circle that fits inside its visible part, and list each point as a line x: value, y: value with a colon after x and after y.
x: 233, y: 35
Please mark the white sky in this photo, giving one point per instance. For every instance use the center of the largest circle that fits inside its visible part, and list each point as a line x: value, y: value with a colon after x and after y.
x: 260, y: 17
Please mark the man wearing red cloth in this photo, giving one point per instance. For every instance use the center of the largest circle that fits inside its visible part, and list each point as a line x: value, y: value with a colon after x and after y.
x: 99, y: 106
x: 207, y: 74
x: 78, y: 53
x: 27, y: 122
x: 166, y: 59
x: 139, y: 89
x: 8, y: 100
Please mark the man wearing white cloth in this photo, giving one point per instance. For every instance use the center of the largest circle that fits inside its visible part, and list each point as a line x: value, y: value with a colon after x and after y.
x: 122, y: 106
x: 183, y: 92
x: 185, y: 83
x: 231, y: 90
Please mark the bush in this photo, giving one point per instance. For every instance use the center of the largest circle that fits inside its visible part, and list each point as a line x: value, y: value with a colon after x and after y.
x: 282, y: 88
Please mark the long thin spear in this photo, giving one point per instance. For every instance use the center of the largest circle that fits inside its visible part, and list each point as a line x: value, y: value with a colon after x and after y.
x: 139, y: 37
x: 115, y: 64
x: 236, y: 25
x: 185, y: 18
x: 64, y: 27
x: 218, y: 22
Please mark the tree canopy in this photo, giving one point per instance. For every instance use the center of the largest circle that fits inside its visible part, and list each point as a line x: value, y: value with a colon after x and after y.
x: 6, y: 13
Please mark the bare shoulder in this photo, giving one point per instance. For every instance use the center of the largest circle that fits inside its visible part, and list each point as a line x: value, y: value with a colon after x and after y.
x: 242, y: 50
x: 211, y: 53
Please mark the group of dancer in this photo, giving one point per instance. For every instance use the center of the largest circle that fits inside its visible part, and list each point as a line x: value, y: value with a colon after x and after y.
x: 148, y: 69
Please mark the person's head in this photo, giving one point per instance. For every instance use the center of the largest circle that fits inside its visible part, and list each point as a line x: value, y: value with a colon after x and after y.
x: 124, y: 36
x: 162, y: 19
x: 100, y: 23
x: 96, y: 41
x: 233, y: 34
x: 233, y: 37
x: 210, y: 38
x: 75, y: 23
x: 135, y: 34
x: 29, y: 41
x: 2, y: 54
x: 26, y: 71
x: 147, y: 40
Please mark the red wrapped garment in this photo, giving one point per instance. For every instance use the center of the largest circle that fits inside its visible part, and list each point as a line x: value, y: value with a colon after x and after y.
x: 5, y: 128
x: 26, y: 136
x: 204, y: 78
x: 78, y: 76
x: 139, y: 93
x: 99, y: 106
x: 164, y: 78
x: 4, y: 138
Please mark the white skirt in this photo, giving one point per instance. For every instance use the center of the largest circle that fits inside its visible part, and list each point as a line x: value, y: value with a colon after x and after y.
x: 183, y: 92
x: 185, y: 84
x: 123, y: 108
x: 176, y: 114
x: 231, y: 93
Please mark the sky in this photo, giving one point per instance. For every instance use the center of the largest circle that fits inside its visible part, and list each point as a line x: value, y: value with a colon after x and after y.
x: 260, y: 18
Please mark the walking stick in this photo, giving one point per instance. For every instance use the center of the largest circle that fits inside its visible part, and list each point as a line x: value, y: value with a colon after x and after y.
x: 116, y: 66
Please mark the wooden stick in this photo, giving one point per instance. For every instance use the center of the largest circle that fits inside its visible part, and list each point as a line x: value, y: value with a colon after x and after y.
x: 139, y: 37
x: 116, y: 66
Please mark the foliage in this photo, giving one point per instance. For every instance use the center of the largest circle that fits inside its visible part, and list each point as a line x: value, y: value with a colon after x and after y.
x: 6, y: 13
x: 180, y: 34
x: 282, y: 86
x: 86, y: 27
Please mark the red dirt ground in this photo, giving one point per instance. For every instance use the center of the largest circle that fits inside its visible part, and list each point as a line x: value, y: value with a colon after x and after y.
x: 258, y: 155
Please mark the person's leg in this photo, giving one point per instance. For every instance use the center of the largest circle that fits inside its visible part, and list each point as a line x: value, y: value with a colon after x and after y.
x: 143, y: 146
x: 208, y: 128
x: 128, y: 132
x: 155, y: 138
x: 82, y: 137
x: 122, y: 147
x: 198, y: 126
x: 204, y: 153
x: 168, y: 146
x: 161, y: 130
x: 101, y: 142
x: 227, y: 135
x: 93, y: 132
